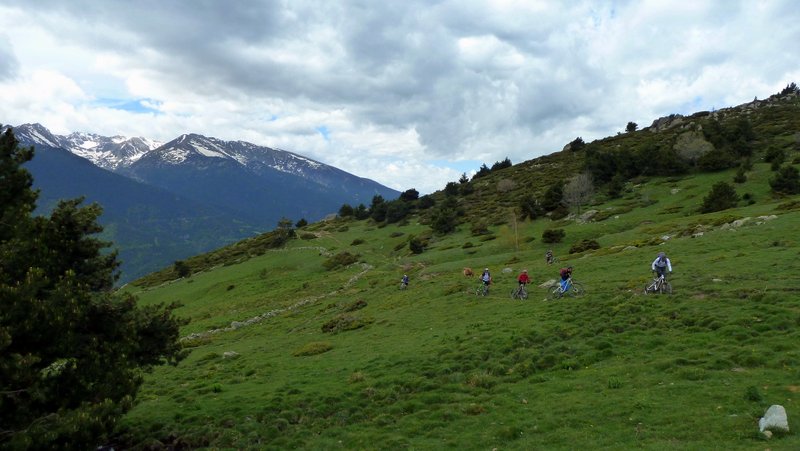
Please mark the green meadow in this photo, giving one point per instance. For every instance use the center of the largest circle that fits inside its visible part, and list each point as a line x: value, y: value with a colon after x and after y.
x: 288, y: 354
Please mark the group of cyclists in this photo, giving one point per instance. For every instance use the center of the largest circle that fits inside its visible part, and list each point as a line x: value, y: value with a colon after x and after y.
x: 660, y: 266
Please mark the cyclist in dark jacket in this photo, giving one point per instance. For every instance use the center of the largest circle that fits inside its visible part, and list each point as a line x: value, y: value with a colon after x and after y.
x: 565, y: 274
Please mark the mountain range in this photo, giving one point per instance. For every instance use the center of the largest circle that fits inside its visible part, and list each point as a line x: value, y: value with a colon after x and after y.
x: 168, y: 201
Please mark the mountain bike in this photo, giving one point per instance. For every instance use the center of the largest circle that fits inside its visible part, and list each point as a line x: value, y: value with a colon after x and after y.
x: 658, y: 285
x: 482, y: 290
x: 573, y: 289
x: 403, y: 285
x: 519, y: 293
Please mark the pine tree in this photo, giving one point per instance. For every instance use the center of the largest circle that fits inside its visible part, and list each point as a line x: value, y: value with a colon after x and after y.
x: 72, y: 350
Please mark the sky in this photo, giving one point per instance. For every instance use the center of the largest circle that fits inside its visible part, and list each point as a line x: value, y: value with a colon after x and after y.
x: 408, y: 93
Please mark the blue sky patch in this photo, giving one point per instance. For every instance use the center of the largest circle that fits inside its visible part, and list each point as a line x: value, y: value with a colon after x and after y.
x: 323, y: 130
x: 133, y: 106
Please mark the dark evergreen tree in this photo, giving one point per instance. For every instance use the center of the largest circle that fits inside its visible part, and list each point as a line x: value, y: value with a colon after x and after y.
x: 529, y: 207
x: 631, y: 127
x: 409, y: 195
x: 482, y: 171
x: 721, y: 197
x: 463, y: 179
x: 553, y: 196
x: 301, y: 223
x: 345, y: 211
x: 786, y: 181
x: 72, y: 350
x: 361, y: 212
x: 451, y: 189
x: 501, y: 164
x: 396, y: 211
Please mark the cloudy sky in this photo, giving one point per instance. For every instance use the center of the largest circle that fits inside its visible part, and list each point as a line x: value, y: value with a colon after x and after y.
x: 409, y: 93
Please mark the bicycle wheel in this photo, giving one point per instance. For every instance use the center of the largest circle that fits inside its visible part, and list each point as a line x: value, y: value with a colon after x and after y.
x: 576, y: 290
x: 514, y: 293
x: 650, y: 288
x: 523, y: 294
x: 555, y: 292
x: 666, y: 288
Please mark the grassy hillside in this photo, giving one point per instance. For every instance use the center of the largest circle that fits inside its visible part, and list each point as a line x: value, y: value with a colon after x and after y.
x: 287, y: 354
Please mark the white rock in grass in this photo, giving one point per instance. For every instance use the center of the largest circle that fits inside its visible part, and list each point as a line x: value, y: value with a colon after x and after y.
x: 507, y: 270
x: 774, y: 420
x: 548, y: 284
x: 230, y: 355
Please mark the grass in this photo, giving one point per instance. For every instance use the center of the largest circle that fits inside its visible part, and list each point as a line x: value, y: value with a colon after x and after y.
x: 435, y: 367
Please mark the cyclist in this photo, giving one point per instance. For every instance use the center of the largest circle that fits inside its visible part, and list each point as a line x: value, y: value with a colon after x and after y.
x: 523, y: 278
x: 404, y: 281
x: 548, y: 256
x: 486, y: 277
x: 566, y: 274
x: 661, y: 265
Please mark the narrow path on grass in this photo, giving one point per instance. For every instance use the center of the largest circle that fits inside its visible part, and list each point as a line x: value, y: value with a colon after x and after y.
x: 236, y: 325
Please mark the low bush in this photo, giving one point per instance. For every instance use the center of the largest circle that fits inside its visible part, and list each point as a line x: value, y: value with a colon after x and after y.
x: 721, y: 197
x: 340, y: 260
x: 342, y: 323
x: 357, y: 241
x: 313, y: 348
x: 553, y: 235
x: 584, y: 245
x: 357, y: 305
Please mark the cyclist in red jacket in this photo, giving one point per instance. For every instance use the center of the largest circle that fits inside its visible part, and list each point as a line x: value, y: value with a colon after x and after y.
x: 523, y: 278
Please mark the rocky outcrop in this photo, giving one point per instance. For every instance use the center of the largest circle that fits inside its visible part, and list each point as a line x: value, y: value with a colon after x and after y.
x: 692, y: 145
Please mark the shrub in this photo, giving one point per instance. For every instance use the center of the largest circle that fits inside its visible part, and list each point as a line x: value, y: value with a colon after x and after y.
x: 357, y: 305
x: 307, y: 236
x: 339, y: 260
x: 740, y: 176
x: 357, y: 241
x: 182, y: 269
x: 479, y: 228
x: 584, y: 245
x: 342, y: 323
x: 553, y: 235
x: 416, y: 245
x: 313, y: 348
x: 786, y: 181
x: 721, y: 197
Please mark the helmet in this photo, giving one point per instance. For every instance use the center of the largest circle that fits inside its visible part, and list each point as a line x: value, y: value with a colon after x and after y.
x: 524, y: 270
x: 661, y: 255
x: 485, y: 269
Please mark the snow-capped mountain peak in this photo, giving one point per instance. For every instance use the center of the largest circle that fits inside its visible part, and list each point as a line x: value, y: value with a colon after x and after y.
x: 106, y: 152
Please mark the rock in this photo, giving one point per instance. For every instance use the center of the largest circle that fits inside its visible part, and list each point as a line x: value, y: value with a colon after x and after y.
x: 697, y: 235
x: 716, y: 280
x: 740, y: 222
x: 507, y: 270
x: 692, y: 145
x: 665, y: 237
x: 548, y: 284
x: 767, y: 434
x: 675, y: 190
x: 629, y: 248
x: 768, y: 218
x: 237, y: 324
x: 588, y: 215
x: 230, y: 355
x: 774, y: 419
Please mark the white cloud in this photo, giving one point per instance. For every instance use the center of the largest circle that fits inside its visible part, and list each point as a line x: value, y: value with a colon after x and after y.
x: 399, y: 86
